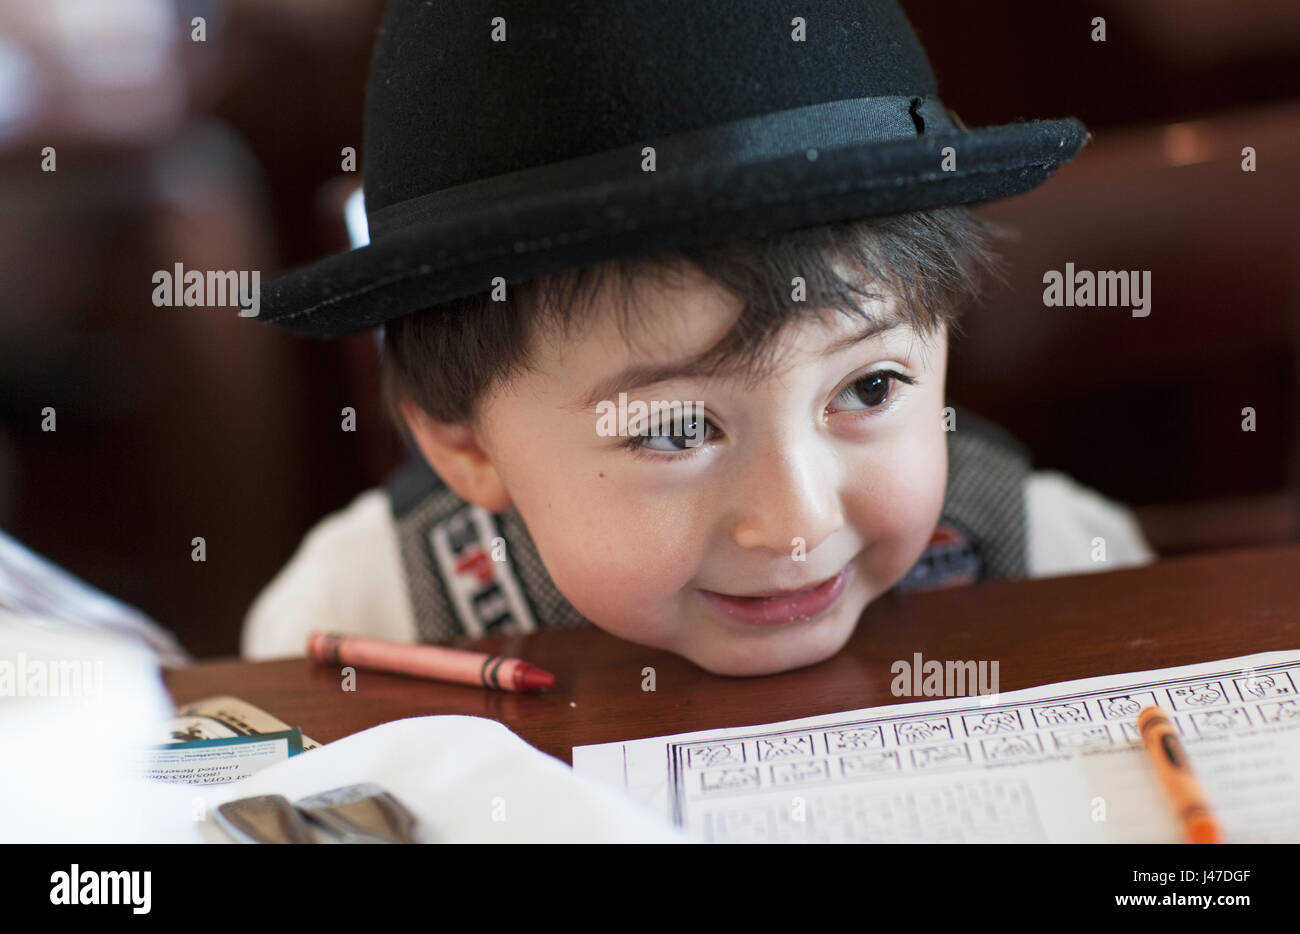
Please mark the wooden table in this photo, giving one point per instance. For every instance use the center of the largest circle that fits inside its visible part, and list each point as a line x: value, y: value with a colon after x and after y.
x: 1174, y: 612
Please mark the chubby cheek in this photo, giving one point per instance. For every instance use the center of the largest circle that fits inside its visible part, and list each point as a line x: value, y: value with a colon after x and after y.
x: 899, y: 508
x: 620, y: 563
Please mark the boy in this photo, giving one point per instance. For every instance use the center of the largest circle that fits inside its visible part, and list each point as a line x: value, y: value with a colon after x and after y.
x: 758, y: 221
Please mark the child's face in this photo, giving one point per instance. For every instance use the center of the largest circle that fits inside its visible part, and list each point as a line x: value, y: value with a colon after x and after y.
x: 853, y: 468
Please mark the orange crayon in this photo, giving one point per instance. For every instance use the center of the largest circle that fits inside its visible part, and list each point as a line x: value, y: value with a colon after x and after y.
x: 1189, y: 801
x: 429, y: 661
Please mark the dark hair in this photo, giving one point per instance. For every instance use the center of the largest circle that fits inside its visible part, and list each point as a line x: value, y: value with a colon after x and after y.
x: 447, y: 357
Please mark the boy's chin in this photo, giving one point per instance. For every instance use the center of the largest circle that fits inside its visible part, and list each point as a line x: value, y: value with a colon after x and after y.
x: 726, y: 661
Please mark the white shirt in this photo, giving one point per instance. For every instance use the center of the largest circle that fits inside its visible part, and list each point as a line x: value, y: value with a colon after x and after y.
x: 347, y: 574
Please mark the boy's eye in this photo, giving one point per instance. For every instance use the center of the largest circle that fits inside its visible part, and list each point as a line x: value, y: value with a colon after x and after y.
x: 691, y: 433
x: 871, y: 391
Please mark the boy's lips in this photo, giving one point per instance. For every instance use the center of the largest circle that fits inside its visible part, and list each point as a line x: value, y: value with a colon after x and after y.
x: 773, y: 607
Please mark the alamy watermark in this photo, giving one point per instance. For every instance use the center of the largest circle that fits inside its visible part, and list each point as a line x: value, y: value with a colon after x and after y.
x: 1105, y: 288
x: 192, y: 288
x: 39, y: 677
x: 88, y: 887
x: 933, y: 678
x: 673, y: 419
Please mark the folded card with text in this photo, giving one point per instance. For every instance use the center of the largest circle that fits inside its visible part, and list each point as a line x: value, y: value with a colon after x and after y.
x: 1059, y: 763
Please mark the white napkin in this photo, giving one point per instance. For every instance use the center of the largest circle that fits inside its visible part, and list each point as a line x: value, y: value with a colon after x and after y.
x: 74, y: 704
x: 466, y: 779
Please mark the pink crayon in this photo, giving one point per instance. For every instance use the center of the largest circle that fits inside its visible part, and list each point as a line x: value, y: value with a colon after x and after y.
x: 429, y: 661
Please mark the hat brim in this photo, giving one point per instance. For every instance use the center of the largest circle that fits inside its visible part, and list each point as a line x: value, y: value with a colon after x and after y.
x: 436, y: 260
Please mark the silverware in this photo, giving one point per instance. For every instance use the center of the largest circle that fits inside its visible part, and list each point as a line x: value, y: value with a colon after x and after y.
x: 264, y: 819
x: 363, y: 813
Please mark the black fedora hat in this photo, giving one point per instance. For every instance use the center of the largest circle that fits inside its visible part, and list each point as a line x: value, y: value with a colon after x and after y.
x: 515, y: 138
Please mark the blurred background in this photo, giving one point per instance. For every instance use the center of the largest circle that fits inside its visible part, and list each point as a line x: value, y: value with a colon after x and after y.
x: 225, y: 154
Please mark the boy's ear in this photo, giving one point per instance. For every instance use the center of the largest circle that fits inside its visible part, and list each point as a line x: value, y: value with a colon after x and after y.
x: 454, y: 452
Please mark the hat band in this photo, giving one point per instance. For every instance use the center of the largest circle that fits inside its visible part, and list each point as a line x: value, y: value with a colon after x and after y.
x: 753, y: 139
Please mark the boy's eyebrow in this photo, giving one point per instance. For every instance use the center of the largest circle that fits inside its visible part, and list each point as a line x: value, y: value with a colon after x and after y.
x: 639, y: 375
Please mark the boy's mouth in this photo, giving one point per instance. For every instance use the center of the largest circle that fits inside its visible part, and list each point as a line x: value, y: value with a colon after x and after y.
x: 773, y: 607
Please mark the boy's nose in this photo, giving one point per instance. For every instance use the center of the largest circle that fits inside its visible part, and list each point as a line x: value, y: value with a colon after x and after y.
x: 788, y: 497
